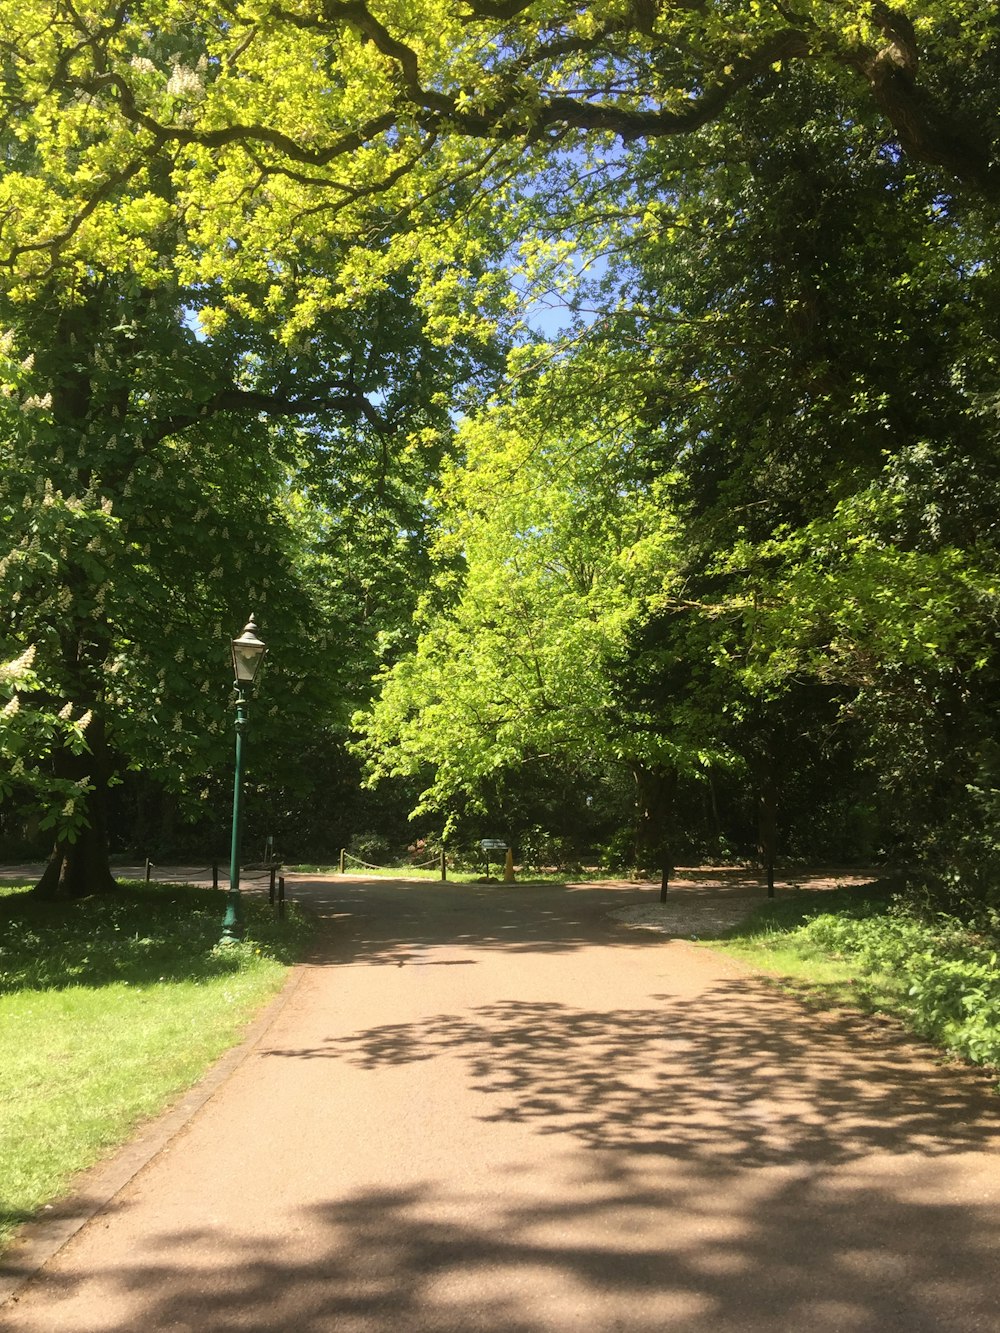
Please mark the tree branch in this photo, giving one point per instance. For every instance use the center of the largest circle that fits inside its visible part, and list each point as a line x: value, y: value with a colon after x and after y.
x: 55, y: 243
x: 922, y: 129
x: 319, y: 400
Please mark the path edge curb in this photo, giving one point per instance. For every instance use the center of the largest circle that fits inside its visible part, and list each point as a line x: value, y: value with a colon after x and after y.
x: 40, y: 1239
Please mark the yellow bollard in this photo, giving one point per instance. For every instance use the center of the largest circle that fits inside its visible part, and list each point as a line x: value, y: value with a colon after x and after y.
x: 508, y: 868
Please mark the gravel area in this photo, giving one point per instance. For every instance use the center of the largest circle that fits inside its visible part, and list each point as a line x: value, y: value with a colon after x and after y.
x: 684, y: 919
x: 703, y: 902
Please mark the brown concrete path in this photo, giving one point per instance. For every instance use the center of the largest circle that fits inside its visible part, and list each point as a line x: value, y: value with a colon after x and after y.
x: 497, y: 1109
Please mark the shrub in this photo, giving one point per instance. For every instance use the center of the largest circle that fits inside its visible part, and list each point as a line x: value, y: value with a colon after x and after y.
x: 946, y: 973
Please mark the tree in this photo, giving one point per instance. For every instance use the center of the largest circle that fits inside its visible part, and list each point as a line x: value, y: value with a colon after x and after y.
x: 144, y: 467
x: 550, y: 543
x: 802, y: 330
x: 365, y: 127
x: 165, y: 416
x: 306, y: 183
x: 823, y: 325
x: 354, y: 99
x: 117, y: 523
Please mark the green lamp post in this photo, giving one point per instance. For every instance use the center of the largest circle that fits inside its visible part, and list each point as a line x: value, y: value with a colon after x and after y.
x: 248, y: 654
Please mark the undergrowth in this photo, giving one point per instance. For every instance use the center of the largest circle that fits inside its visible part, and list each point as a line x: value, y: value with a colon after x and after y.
x: 936, y: 972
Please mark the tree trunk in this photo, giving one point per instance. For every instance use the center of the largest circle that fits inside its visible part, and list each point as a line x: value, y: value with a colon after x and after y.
x: 655, y: 791
x: 79, y: 868
x: 767, y: 818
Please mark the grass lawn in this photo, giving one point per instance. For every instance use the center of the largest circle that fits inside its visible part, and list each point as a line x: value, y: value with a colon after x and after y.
x: 859, y: 946
x: 775, y: 939
x: 109, y: 1007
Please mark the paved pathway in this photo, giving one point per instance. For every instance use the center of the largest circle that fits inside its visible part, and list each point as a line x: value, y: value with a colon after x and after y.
x: 495, y: 1108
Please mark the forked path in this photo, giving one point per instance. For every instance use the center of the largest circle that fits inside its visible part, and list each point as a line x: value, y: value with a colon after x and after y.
x: 496, y: 1108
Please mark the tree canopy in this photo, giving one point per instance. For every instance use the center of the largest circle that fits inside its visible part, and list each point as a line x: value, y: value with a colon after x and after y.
x: 269, y: 274
x: 804, y: 333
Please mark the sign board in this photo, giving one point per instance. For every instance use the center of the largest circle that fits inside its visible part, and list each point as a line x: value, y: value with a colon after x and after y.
x: 493, y: 845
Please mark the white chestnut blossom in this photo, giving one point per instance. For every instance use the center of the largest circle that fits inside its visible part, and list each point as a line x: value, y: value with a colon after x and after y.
x: 185, y: 82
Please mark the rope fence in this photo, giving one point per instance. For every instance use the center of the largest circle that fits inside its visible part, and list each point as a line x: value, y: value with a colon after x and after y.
x: 250, y: 874
x: 256, y: 873
x: 438, y: 861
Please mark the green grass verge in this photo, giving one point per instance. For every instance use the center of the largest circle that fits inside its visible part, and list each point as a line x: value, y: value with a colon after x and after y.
x: 863, y: 948
x: 109, y: 1007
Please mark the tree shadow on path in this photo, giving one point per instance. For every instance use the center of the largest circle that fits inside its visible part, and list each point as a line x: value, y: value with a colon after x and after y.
x: 692, y: 1254
x: 380, y: 921
x: 739, y: 1076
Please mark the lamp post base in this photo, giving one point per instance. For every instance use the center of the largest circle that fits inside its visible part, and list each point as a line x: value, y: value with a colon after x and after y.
x: 232, y: 926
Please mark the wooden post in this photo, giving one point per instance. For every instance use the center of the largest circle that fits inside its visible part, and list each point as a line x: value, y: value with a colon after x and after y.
x: 343, y: 855
x: 215, y: 874
x: 444, y: 867
x: 149, y: 869
x: 270, y: 889
x: 664, y: 881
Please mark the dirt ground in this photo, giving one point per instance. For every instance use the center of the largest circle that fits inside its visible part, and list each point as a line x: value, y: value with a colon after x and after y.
x: 506, y: 1108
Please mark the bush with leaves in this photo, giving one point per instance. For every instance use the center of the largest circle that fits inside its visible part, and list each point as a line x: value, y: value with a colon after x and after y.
x: 946, y: 972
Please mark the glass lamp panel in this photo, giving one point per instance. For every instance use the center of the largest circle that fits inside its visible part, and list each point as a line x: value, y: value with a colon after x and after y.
x: 248, y: 653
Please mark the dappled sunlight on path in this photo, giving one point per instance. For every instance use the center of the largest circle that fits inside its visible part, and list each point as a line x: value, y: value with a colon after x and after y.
x: 740, y: 1077
x: 490, y: 1110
